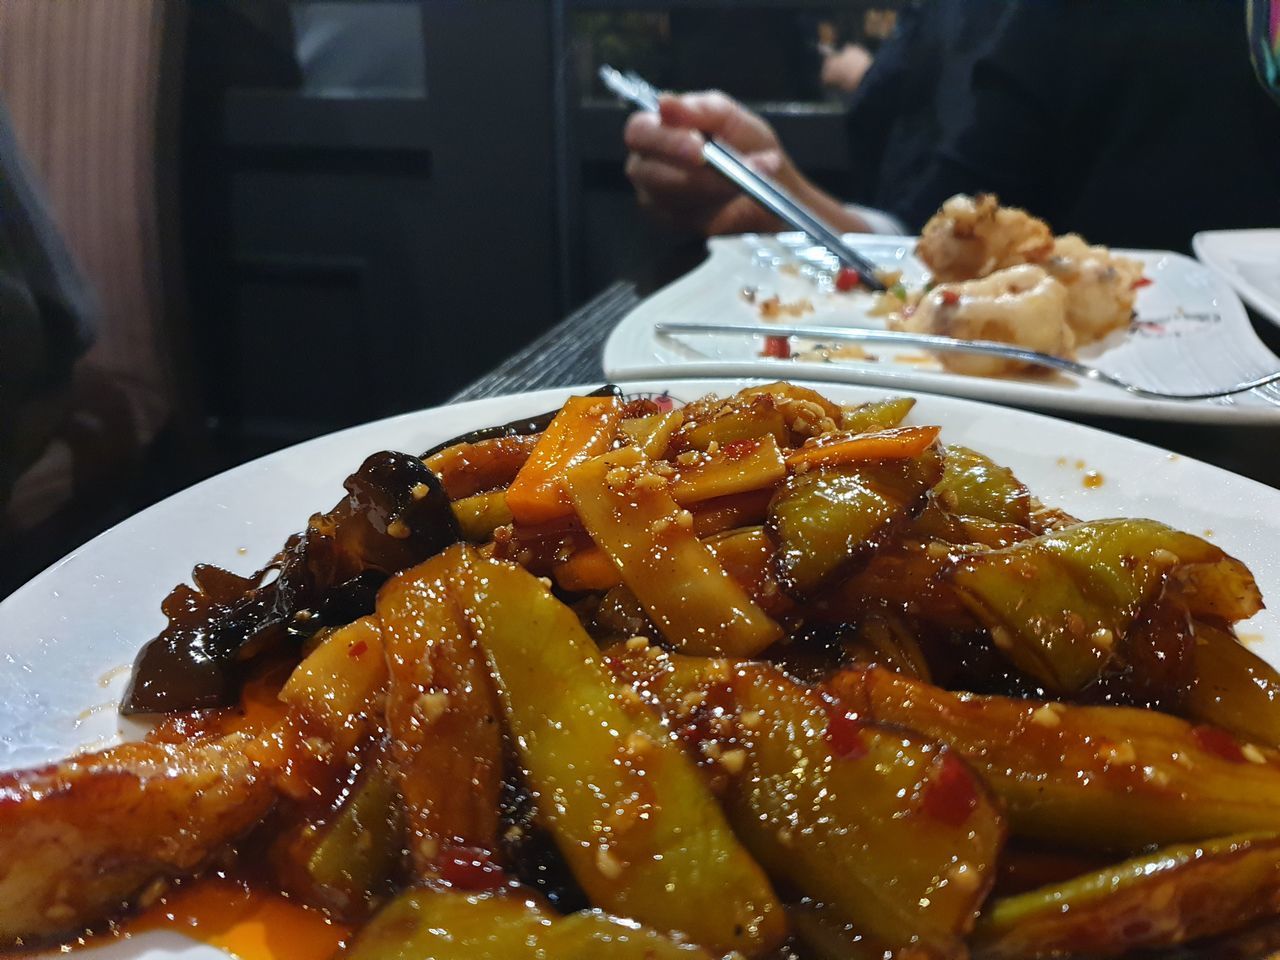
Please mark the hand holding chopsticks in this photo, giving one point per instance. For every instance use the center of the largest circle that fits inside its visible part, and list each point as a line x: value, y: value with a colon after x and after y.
x: 733, y: 167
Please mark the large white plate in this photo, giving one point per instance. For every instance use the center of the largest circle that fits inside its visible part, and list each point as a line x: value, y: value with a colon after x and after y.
x: 66, y: 634
x: 1249, y: 260
x: 1191, y: 335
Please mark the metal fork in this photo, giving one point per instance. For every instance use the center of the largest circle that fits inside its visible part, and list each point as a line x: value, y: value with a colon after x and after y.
x: 988, y: 348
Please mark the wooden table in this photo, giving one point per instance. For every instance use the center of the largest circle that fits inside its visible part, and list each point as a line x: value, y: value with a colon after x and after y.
x: 570, y: 353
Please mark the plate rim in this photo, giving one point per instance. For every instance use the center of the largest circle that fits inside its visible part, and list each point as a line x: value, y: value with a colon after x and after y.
x: 650, y: 381
x: 997, y: 390
x: 1203, y: 244
x: 148, y: 948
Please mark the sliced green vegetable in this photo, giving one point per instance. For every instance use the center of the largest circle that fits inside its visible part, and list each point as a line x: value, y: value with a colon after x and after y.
x: 826, y: 938
x: 744, y: 417
x: 480, y: 514
x: 1061, y: 606
x: 825, y: 519
x: 632, y: 516
x: 976, y: 501
x: 1162, y: 899
x: 1096, y: 778
x: 443, y: 925
x: 876, y: 414
x: 894, y: 835
x: 439, y: 925
x: 974, y: 485
x: 639, y: 829
x: 885, y: 639
x: 344, y: 864
x: 1234, y: 688
x: 442, y: 714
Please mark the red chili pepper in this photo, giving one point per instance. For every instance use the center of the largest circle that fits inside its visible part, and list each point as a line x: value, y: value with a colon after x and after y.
x: 951, y: 794
x: 779, y: 347
x: 1142, y: 282
x: 664, y: 402
x: 1218, y: 742
x: 950, y: 297
x: 844, y: 733
x: 469, y: 868
x: 357, y: 650
x: 847, y: 279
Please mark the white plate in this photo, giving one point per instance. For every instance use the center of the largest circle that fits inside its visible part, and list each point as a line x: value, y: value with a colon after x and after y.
x: 67, y: 632
x: 1250, y: 262
x: 1192, y: 334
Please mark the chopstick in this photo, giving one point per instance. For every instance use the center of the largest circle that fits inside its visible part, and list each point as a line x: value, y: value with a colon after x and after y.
x: 726, y: 161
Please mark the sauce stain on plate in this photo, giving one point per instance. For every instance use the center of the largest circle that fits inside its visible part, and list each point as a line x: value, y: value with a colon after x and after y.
x: 110, y: 676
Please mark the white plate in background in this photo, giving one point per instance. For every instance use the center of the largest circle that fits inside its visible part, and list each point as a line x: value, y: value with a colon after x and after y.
x: 1191, y: 334
x: 1249, y: 260
x: 65, y: 635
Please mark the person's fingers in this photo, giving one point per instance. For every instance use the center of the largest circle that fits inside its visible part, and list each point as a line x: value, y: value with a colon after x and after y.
x: 718, y: 115
x: 666, y: 183
x: 708, y: 112
x: 645, y: 133
x: 768, y: 162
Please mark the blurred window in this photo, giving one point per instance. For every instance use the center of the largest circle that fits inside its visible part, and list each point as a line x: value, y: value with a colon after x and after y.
x: 758, y: 54
x: 360, y: 48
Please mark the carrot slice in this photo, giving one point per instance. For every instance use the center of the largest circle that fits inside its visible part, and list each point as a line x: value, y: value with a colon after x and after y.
x: 587, y: 569
x: 897, y: 444
x: 584, y: 428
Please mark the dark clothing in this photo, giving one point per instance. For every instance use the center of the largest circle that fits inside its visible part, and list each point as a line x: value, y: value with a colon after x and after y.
x: 917, y: 88
x: 1133, y: 122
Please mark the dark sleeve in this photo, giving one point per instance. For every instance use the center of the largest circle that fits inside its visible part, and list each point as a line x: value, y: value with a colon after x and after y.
x: 1134, y: 124
x: 1006, y: 142
x: 918, y: 88
x: 876, y: 106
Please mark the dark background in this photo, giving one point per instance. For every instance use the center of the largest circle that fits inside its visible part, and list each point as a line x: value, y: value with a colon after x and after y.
x: 358, y: 255
x: 327, y: 227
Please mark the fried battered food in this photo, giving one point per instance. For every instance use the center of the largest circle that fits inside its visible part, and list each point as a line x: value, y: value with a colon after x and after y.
x: 971, y: 237
x: 1019, y: 305
x: 81, y: 838
x: 1100, y: 286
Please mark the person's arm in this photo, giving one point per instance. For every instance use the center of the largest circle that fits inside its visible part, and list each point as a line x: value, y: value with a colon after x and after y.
x: 674, y: 184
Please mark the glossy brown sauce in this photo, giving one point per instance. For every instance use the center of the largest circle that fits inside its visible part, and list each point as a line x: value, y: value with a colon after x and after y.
x: 1092, y: 480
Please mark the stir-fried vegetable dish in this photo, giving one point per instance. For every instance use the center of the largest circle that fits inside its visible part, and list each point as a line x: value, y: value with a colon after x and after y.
x: 761, y: 676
